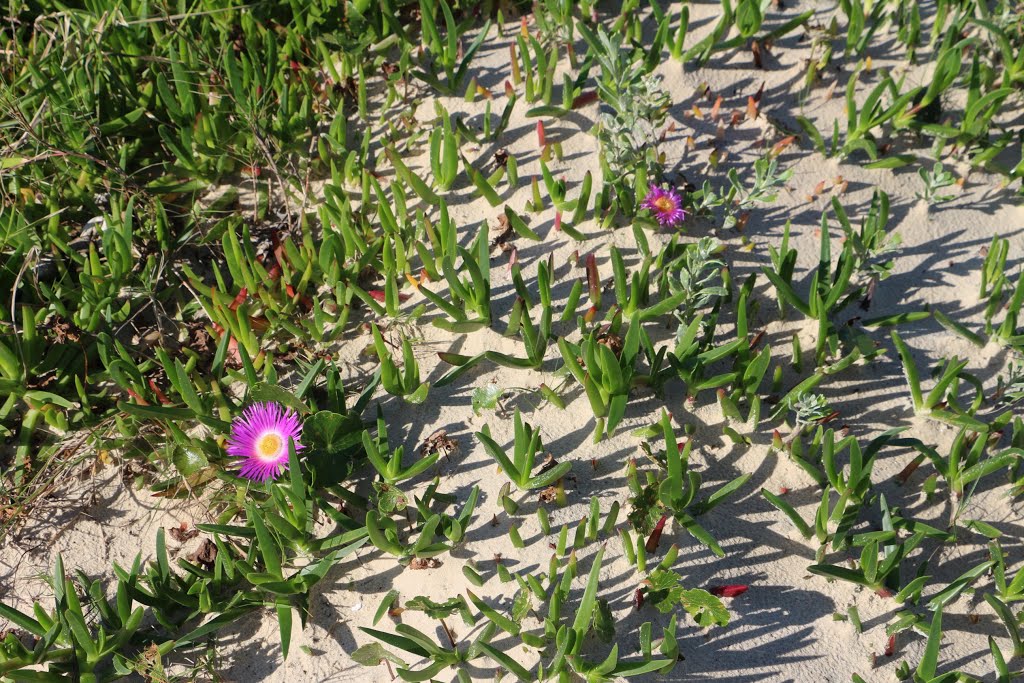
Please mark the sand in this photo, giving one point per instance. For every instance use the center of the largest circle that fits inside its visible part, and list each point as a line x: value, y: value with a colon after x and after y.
x: 784, y: 628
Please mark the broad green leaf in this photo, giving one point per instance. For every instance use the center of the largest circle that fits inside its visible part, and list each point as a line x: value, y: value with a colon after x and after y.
x: 188, y: 459
x: 372, y: 654
x: 705, y: 608
x: 333, y: 445
x: 272, y: 393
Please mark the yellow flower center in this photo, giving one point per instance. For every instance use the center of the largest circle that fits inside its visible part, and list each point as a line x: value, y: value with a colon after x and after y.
x: 268, y: 446
x: 665, y: 204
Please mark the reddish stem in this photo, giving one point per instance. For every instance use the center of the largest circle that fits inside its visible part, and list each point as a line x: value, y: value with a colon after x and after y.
x: 138, y: 399
x: 160, y: 396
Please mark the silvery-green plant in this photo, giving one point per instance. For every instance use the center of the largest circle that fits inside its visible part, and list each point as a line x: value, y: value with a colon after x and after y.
x: 935, y: 179
x: 629, y: 135
x: 768, y: 179
x: 1011, y: 389
x: 555, y: 21
x: 695, y: 274
x: 810, y: 408
x: 764, y: 189
x: 626, y: 135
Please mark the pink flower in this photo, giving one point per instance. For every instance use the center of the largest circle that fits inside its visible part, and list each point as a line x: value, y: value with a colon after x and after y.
x: 259, y: 438
x: 666, y: 205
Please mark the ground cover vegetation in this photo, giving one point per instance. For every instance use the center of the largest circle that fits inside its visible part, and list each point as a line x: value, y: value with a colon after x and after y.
x: 203, y: 203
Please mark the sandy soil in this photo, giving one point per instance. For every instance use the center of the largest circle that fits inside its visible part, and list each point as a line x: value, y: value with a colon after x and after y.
x: 783, y: 628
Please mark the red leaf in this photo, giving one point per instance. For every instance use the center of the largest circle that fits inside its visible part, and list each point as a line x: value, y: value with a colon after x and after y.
x: 160, y: 396
x: 593, y: 279
x: 378, y: 294
x: 728, y: 591
x: 239, y: 300
x: 655, y: 538
x: 234, y: 355
x: 584, y: 99
x: 138, y: 399
x: 905, y: 473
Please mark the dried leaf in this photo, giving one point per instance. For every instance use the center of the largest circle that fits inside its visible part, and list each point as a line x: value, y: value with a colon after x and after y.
x: 205, y: 555
x: 182, y: 533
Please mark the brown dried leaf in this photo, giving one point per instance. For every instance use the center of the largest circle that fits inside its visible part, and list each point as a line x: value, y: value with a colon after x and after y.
x: 751, y: 108
x: 424, y: 563
x: 182, y: 533
x: 550, y: 494
x: 205, y: 554
x: 781, y: 145
x: 439, y: 442
x: 505, y: 232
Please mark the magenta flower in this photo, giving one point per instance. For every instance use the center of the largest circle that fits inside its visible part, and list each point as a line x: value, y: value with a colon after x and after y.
x: 666, y: 205
x: 259, y: 438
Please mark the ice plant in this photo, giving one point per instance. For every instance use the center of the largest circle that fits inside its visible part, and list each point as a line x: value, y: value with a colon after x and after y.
x: 259, y: 438
x: 666, y: 205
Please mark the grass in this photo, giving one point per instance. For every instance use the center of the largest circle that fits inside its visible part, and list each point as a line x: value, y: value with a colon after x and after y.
x: 202, y: 209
